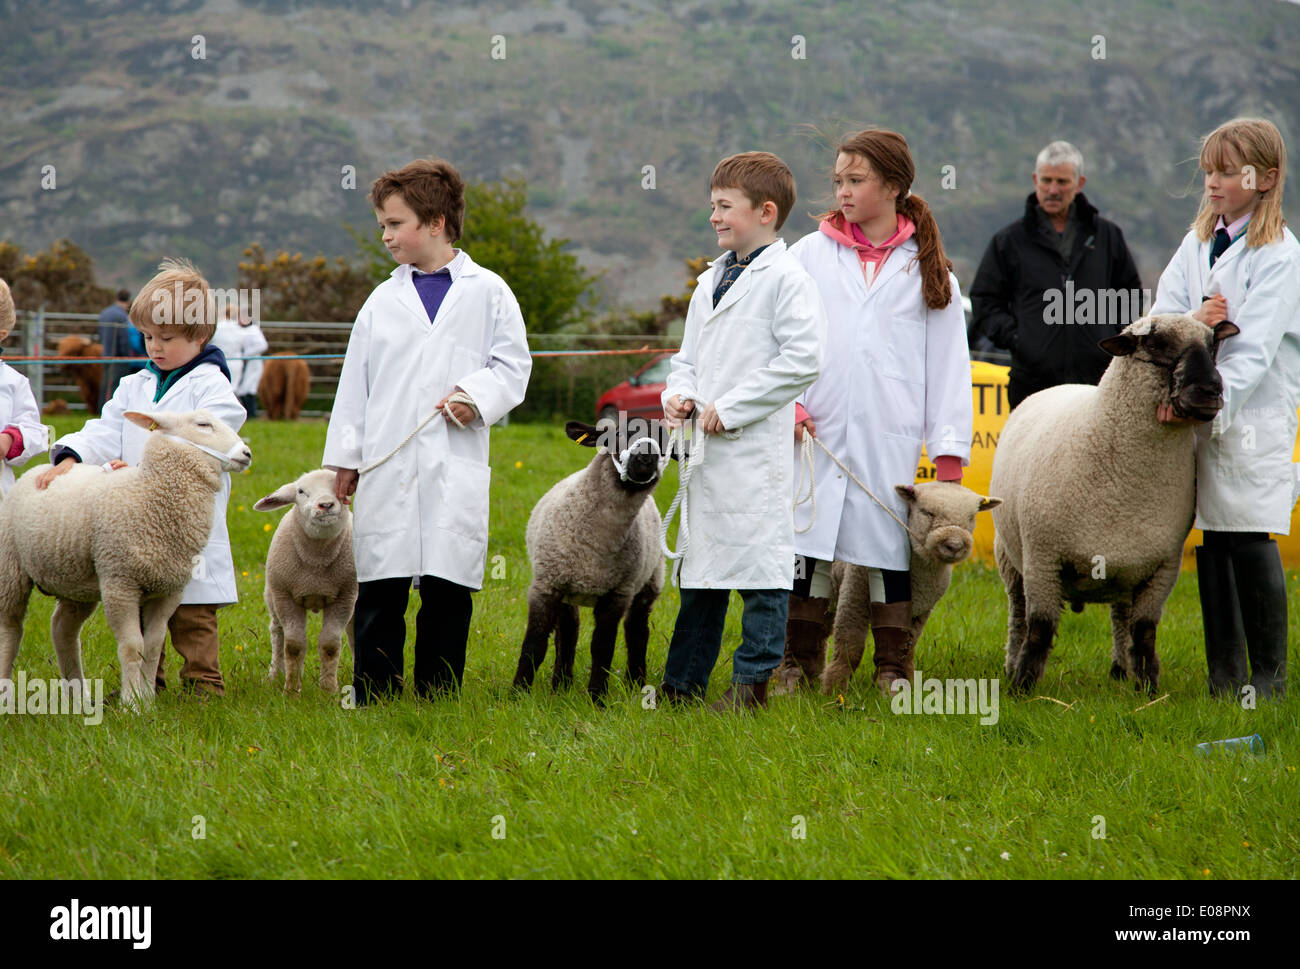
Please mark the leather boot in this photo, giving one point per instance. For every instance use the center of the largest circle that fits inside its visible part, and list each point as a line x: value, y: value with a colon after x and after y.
x: 1261, y: 591
x: 742, y: 696
x: 891, y: 635
x: 1225, y: 639
x: 806, y: 630
x: 673, y: 697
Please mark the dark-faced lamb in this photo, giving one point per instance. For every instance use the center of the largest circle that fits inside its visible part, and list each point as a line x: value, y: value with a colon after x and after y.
x: 593, y: 540
x: 1099, y: 495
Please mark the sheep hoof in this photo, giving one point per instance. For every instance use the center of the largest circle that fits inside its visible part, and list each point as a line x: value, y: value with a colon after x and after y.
x: 330, y: 685
x: 1118, y: 672
x: 786, y: 681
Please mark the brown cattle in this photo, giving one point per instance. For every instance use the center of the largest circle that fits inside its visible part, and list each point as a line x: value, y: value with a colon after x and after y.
x: 88, y: 376
x: 284, y: 387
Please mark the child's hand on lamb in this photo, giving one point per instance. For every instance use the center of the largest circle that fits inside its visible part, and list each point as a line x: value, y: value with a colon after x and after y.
x: 117, y: 464
x: 6, y: 442
x: 46, y: 475
x: 1212, y: 311
x: 345, y: 484
x: 677, y: 410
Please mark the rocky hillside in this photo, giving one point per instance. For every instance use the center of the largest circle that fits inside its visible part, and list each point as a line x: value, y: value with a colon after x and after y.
x: 189, y: 127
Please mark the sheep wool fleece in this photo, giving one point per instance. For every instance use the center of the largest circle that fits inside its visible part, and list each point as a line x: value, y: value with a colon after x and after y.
x: 18, y: 409
x: 424, y: 511
x: 111, y: 436
x: 1245, y: 481
x: 749, y: 356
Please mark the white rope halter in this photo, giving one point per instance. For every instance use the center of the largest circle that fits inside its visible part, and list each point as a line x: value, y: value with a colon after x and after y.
x: 227, y: 458
x: 459, y: 397
x: 620, y: 462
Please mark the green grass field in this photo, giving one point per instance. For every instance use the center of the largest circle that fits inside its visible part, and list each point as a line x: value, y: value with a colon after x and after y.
x: 547, y: 785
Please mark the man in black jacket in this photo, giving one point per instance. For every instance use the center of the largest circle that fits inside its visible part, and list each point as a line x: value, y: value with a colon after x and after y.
x: 1055, y: 283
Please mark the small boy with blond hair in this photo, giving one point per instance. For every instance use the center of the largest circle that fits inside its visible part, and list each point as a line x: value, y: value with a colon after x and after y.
x: 755, y: 331
x: 176, y: 313
x: 22, y: 436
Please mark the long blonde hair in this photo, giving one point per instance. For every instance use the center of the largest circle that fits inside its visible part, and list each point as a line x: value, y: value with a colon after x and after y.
x: 1246, y: 141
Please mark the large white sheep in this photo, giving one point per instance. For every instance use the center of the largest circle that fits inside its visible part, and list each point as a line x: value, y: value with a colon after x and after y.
x: 309, y: 568
x: 130, y: 537
x: 593, y: 540
x: 941, y: 523
x: 1098, y: 495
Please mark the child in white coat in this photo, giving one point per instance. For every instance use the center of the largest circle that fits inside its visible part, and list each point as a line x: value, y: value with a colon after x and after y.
x: 897, y: 376
x: 22, y: 435
x: 1240, y: 263
x: 754, y: 333
x: 176, y: 313
x: 443, y: 335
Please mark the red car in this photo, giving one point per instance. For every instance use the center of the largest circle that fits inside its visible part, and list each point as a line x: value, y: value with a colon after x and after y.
x: 640, y: 394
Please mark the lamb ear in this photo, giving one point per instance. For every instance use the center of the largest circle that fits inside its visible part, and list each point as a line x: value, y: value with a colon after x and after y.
x: 1120, y: 345
x: 149, y: 422
x: 584, y: 434
x: 906, y: 492
x: 988, y: 504
x: 1224, y: 330
x: 282, y: 496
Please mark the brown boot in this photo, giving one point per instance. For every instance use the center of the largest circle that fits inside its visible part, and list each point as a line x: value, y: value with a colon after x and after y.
x: 806, y: 630
x: 742, y: 696
x: 891, y: 632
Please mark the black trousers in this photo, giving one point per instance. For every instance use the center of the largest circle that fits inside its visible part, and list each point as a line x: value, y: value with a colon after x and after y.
x: 441, y: 632
x: 898, y: 585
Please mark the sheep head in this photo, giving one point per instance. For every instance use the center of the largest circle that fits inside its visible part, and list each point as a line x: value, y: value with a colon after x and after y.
x: 201, y: 429
x: 319, y: 511
x: 941, y: 519
x: 1185, y: 349
x: 634, y: 463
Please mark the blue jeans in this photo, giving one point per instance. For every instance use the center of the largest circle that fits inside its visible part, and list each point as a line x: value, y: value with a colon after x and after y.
x: 697, y: 637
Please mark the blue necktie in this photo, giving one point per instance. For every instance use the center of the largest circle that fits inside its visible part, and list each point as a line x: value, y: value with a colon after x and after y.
x: 1220, y: 245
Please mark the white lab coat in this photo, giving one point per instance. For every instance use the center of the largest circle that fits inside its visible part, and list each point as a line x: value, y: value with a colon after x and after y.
x: 227, y: 340
x: 252, y: 343
x: 111, y: 436
x: 750, y: 357
x: 897, y: 375
x: 425, y: 510
x: 18, y: 409
x: 1245, y: 480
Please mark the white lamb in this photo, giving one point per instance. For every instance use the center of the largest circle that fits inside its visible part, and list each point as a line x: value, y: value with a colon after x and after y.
x: 593, y: 540
x: 1098, y: 495
x: 130, y: 537
x: 941, y: 523
x: 309, y: 568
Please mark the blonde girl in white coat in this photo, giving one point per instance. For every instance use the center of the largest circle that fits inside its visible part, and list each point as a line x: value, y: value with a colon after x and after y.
x: 22, y: 436
x: 896, y: 376
x: 1240, y: 263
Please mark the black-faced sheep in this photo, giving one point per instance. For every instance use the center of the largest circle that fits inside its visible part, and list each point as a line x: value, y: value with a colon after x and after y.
x: 941, y: 523
x: 593, y: 540
x: 130, y: 537
x: 1098, y: 495
x: 309, y: 568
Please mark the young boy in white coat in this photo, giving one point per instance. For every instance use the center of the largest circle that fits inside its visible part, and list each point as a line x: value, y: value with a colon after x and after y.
x: 1240, y: 263
x: 442, y: 336
x: 176, y: 314
x: 22, y: 435
x: 754, y: 334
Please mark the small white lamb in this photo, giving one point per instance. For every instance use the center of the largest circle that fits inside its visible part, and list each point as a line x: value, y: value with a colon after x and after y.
x: 593, y: 540
x: 309, y: 568
x: 130, y: 537
x: 941, y: 523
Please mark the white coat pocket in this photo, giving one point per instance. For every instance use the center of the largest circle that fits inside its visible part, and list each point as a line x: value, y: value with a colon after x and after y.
x: 463, y: 508
x: 905, y: 350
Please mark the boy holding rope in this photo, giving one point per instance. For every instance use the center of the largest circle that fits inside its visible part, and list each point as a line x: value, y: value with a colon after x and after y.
x: 753, y: 342
x: 437, y: 355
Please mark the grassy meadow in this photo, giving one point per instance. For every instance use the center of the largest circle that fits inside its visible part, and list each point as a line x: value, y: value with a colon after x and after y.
x: 1086, y: 779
